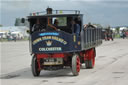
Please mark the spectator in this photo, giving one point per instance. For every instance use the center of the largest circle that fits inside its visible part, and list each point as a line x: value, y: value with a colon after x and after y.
x: 123, y: 34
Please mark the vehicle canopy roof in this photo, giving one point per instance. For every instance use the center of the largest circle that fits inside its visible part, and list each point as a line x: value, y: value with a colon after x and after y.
x: 54, y: 15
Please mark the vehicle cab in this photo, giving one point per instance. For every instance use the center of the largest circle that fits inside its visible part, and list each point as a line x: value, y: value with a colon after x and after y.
x: 57, y: 28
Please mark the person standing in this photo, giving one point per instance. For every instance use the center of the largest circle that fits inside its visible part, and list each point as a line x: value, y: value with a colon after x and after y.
x: 76, y: 27
x: 123, y: 34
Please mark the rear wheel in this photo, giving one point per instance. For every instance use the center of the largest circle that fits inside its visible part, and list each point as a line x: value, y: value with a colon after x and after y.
x: 75, y: 65
x: 35, y: 67
x: 91, y: 63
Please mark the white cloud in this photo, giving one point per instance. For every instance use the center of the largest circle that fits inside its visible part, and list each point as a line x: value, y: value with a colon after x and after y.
x: 93, y: 10
x: 98, y: 0
x: 14, y: 0
x: 85, y: 0
x: 15, y: 5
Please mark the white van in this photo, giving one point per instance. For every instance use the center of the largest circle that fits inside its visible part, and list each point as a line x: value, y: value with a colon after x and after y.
x: 17, y: 35
x: 3, y: 35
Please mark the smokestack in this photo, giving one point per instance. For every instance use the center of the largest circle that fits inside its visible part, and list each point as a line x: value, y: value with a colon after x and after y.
x: 49, y: 10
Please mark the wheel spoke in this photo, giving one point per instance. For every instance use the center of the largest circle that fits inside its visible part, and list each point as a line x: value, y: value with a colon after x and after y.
x: 78, y: 64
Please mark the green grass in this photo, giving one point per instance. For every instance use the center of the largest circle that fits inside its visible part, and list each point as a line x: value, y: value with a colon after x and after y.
x: 117, y: 36
x: 3, y: 40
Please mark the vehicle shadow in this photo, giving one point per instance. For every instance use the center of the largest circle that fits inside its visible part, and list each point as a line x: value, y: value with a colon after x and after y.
x: 27, y: 74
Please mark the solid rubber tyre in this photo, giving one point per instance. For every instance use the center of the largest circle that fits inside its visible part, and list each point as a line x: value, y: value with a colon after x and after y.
x: 75, y: 65
x: 34, y: 67
x: 91, y: 63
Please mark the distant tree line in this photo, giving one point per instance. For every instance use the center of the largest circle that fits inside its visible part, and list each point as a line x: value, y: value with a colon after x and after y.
x: 1, y: 25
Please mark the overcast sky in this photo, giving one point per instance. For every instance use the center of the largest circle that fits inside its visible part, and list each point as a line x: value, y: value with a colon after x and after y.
x: 104, y: 12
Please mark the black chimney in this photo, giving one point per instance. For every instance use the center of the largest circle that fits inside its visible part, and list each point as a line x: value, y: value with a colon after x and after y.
x: 49, y: 10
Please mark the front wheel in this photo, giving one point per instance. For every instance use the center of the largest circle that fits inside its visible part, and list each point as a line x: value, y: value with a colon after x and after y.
x: 75, y: 65
x: 35, y: 67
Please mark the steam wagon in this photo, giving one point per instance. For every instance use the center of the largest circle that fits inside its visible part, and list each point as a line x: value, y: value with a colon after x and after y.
x: 56, y: 44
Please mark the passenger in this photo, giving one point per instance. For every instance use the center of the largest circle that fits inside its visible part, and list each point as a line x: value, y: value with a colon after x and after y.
x: 36, y: 27
x: 56, y: 22
x: 79, y: 20
x: 76, y: 27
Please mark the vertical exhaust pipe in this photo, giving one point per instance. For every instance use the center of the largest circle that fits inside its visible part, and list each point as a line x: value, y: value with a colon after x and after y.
x: 49, y: 10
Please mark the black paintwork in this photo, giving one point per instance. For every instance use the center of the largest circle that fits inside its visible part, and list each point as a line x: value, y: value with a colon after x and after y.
x: 71, y: 46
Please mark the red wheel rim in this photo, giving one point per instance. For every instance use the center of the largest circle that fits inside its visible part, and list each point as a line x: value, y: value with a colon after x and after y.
x: 78, y: 64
